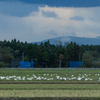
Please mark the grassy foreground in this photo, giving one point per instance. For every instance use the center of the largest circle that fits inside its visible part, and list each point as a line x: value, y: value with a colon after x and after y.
x: 50, y: 86
x: 49, y: 93
x: 50, y: 90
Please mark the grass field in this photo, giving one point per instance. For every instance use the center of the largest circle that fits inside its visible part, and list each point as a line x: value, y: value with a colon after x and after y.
x: 49, y: 93
x: 50, y: 86
x: 39, y: 83
x: 50, y: 75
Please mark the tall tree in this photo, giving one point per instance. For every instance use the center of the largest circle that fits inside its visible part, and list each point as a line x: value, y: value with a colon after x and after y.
x: 45, y: 58
x: 87, y: 59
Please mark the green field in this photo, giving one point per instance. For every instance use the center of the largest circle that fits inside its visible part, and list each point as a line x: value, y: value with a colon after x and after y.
x: 49, y: 93
x: 50, y: 75
x: 50, y: 86
x: 39, y: 83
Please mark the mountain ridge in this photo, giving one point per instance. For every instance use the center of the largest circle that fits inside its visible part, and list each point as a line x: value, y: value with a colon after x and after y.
x: 78, y: 40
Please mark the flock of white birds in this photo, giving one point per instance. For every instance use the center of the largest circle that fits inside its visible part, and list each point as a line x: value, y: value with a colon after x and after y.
x: 50, y: 77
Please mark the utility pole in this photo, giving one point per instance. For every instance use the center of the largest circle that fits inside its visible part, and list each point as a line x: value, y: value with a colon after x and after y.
x: 60, y: 63
x: 22, y: 56
x: 79, y: 56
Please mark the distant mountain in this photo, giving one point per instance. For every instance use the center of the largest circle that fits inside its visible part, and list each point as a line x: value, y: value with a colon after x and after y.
x: 78, y: 40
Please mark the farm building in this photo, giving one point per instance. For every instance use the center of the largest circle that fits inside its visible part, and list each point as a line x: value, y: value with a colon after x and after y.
x: 16, y: 62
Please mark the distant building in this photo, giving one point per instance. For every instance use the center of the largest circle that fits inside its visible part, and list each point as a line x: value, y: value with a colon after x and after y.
x: 96, y: 62
x: 16, y: 62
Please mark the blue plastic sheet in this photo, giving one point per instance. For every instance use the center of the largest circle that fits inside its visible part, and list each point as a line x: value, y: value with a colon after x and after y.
x: 75, y: 64
x: 26, y: 64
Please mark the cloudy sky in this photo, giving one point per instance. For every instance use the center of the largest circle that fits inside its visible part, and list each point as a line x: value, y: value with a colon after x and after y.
x: 37, y: 20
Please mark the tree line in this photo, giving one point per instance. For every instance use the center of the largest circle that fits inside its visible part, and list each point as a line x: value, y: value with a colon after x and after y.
x: 47, y: 55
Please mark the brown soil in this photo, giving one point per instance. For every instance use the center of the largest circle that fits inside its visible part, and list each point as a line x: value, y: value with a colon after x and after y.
x: 49, y: 82
x: 49, y: 88
x: 54, y: 98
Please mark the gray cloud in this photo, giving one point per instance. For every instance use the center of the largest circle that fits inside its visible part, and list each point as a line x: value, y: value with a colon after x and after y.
x: 60, y: 3
x: 49, y: 14
x: 77, y: 18
x: 52, y: 32
x: 17, y: 9
x: 26, y: 23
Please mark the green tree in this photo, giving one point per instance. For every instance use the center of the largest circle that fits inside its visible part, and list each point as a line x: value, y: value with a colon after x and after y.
x: 87, y: 59
x: 61, y: 57
x: 45, y: 58
x: 7, y: 54
x: 2, y: 65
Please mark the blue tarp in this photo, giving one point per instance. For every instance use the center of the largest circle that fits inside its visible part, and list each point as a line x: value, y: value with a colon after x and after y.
x: 26, y: 64
x: 75, y: 64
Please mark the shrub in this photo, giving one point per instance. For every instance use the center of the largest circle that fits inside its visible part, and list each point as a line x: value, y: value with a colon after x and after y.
x: 81, y: 66
x: 2, y: 65
x: 96, y: 65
